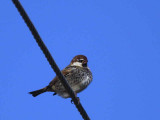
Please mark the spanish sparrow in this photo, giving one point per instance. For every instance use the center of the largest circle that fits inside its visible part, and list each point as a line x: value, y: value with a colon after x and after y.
x: 76, y: 73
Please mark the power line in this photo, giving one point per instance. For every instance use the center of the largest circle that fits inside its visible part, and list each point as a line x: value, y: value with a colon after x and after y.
x: 50, y: 59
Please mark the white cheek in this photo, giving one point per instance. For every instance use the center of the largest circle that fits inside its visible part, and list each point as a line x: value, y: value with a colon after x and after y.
x: 77, y: 64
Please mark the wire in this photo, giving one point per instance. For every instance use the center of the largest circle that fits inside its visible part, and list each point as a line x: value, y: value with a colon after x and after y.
x: 50, y: 59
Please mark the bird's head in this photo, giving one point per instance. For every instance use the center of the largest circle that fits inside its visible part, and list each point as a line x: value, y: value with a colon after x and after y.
x: 79, y: 60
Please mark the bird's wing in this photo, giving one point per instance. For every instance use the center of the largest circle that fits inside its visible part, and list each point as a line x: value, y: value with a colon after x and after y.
x: 65, y: 72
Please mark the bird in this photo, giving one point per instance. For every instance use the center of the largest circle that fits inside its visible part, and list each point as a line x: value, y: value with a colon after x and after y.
x: 77, y: 74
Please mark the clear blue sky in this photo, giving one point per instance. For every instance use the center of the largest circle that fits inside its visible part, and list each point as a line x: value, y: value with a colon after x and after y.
x: 121, y: 39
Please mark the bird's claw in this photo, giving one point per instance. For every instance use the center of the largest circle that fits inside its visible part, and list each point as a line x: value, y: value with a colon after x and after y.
x: 78, y: 100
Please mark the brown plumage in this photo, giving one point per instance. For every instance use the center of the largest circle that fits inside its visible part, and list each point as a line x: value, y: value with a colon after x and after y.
x: 76, y: 73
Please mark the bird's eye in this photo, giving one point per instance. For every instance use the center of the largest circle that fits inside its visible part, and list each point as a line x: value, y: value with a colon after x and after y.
x: 80, y: 60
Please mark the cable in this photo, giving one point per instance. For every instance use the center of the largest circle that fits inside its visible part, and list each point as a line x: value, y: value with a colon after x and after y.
x: 50, y: 59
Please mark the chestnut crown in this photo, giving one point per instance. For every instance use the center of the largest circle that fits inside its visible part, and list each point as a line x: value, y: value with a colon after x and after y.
x: 79, y: 60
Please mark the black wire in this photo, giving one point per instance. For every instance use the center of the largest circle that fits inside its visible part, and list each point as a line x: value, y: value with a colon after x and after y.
x: 50, y: 59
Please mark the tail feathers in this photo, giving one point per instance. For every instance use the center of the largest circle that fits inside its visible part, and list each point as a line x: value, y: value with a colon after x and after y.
x: 37, y: 92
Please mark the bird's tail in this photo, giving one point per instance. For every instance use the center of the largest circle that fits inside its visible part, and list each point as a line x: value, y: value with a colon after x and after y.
x: 37, y: 92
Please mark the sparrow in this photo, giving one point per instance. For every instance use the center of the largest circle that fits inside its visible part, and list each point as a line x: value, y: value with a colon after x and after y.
x: 77, y: 74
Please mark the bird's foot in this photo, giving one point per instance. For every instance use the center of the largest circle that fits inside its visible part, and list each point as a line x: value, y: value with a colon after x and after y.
x: 77, y: 99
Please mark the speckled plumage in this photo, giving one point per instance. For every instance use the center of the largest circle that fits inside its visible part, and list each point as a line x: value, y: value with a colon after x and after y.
x: 76, y: 73
x: 79, y: 78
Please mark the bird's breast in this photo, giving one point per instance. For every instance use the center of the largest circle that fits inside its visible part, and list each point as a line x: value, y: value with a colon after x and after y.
x: 79, y: 79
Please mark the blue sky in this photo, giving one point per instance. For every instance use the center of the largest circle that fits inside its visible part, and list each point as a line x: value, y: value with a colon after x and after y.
x: 121, y: 39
